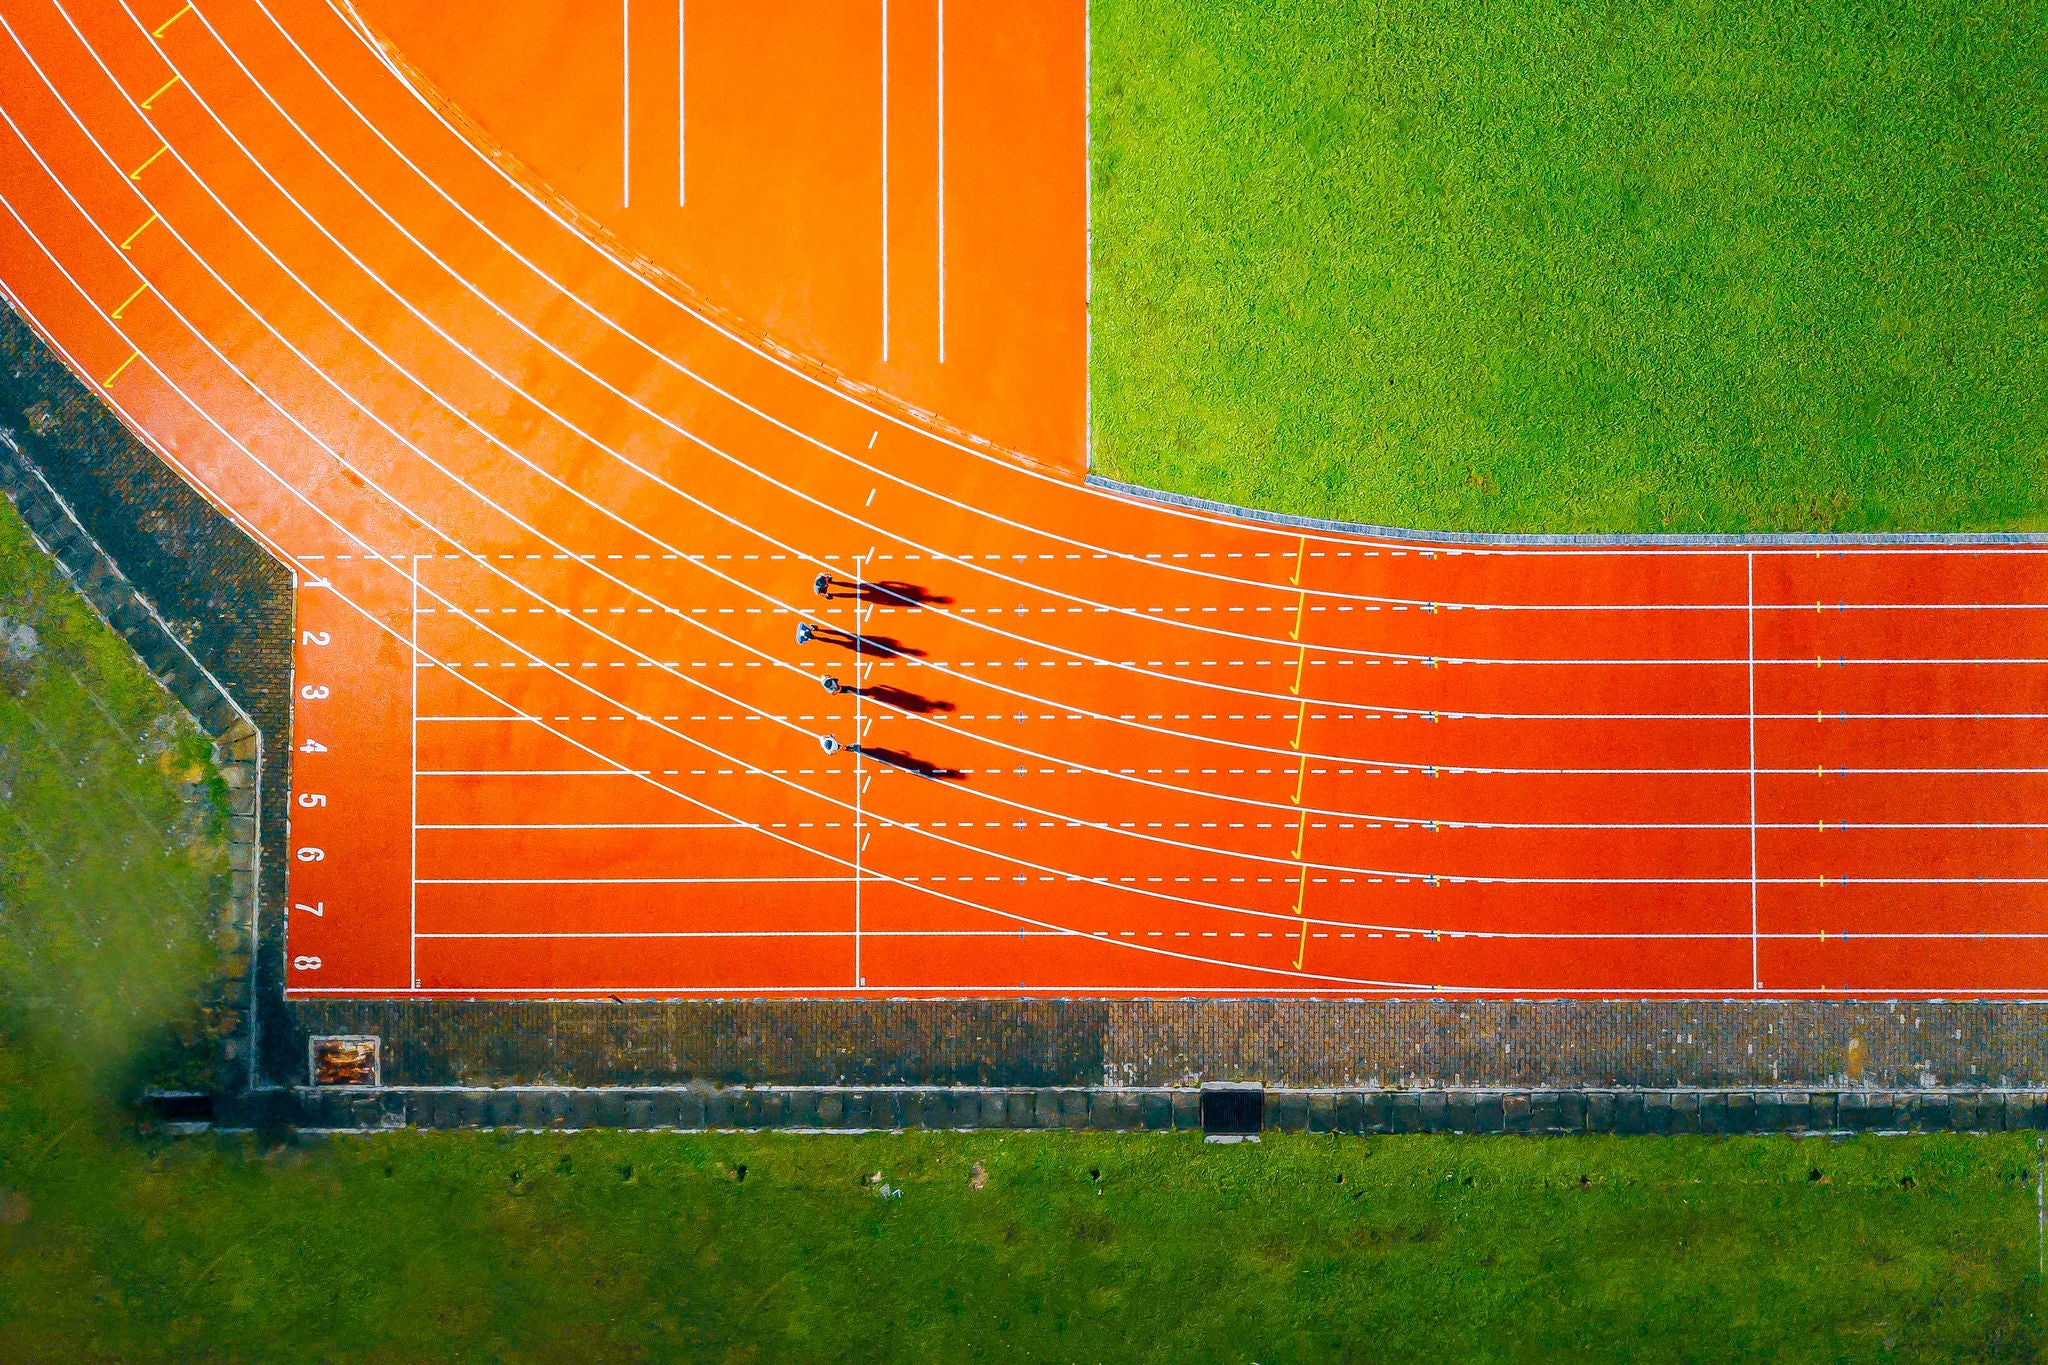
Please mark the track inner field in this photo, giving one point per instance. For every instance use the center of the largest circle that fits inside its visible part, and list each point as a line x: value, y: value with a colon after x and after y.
x: 556, y: 526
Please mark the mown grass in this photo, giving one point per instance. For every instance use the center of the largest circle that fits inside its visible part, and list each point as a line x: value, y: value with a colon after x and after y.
x: 116, y: 1245
x: 1703, y: 267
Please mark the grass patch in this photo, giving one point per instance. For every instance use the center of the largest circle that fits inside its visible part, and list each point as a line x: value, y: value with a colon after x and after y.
x: 1701, y: 267
x: 112, y: 825
x: 487, y: 1247
x: 618, y: 1246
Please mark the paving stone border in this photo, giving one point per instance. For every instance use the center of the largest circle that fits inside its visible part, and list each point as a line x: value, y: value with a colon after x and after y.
x: 1329, y: 1044
x: 1629, y: 1112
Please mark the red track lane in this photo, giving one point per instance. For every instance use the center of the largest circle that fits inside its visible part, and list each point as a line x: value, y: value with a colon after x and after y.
x: 555, y: 526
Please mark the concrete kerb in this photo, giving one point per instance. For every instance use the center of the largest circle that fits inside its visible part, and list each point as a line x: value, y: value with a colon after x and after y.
x: 1364, y: 1112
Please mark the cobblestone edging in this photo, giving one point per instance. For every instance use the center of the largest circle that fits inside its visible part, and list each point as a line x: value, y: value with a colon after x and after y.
x: 1311, y: 1045
x: 1157, y: 1109
x: 237, y: 749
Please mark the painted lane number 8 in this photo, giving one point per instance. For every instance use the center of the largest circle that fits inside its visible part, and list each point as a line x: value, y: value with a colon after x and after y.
x: 306, y: 964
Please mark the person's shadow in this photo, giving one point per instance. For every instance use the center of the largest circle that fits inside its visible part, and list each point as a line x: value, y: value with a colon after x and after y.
x: 918, y: 767
x: 900, y: 699
x: 891, y: 591
x: 877, y: 646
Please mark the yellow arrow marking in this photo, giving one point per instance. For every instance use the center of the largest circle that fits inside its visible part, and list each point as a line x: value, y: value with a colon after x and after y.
x: 1300, y: 779
x: 1299, y: 665
x: 136, y: 174
x: 1300, y: 561
x: 1299, y: 607
x: 138, y: 232
x: 158, y: 31
x: 160, y: 89
x: 1299, y: 721
x: 108, y: 382
x: 139, y: 290
x: 1301, y: 836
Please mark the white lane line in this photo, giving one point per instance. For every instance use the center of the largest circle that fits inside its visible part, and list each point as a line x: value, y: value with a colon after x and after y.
x: 531, y: 772
x: 1012, y: 990
x: 885, y: 180
x: 1755, y: 981
x: 626, y: 104
x: 602, y: 825
x: 682, y: 108
x: 942, y: 181
x: 412, y: 733
x: 625, y: 881
x: 2021, y: 936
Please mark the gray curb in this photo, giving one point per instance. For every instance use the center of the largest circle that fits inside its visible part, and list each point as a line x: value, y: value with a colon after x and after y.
x: 1508, y: 540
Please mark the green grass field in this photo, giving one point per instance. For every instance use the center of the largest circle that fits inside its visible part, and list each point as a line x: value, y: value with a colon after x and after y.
x: 1555, y: 266
x: 118, y: 1246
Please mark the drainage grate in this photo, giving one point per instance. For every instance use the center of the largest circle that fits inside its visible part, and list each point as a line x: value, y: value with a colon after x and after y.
x: 180, y: 1106
x: 1233, y: 1111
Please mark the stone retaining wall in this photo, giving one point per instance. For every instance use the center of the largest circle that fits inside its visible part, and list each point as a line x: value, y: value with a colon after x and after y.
x: 1154, y: 1109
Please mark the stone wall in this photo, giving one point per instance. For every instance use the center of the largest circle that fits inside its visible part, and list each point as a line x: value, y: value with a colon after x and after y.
x: 1629, y: 1112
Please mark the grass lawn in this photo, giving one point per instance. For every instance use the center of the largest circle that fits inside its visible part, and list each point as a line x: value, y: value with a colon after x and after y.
x: 1555, y: 266
x: 124, y: 1247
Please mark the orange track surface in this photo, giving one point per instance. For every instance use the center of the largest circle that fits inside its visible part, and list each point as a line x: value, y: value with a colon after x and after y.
x: 556, y: 466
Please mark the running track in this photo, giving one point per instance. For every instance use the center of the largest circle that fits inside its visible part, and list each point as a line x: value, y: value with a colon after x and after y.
x: 554, y: 519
